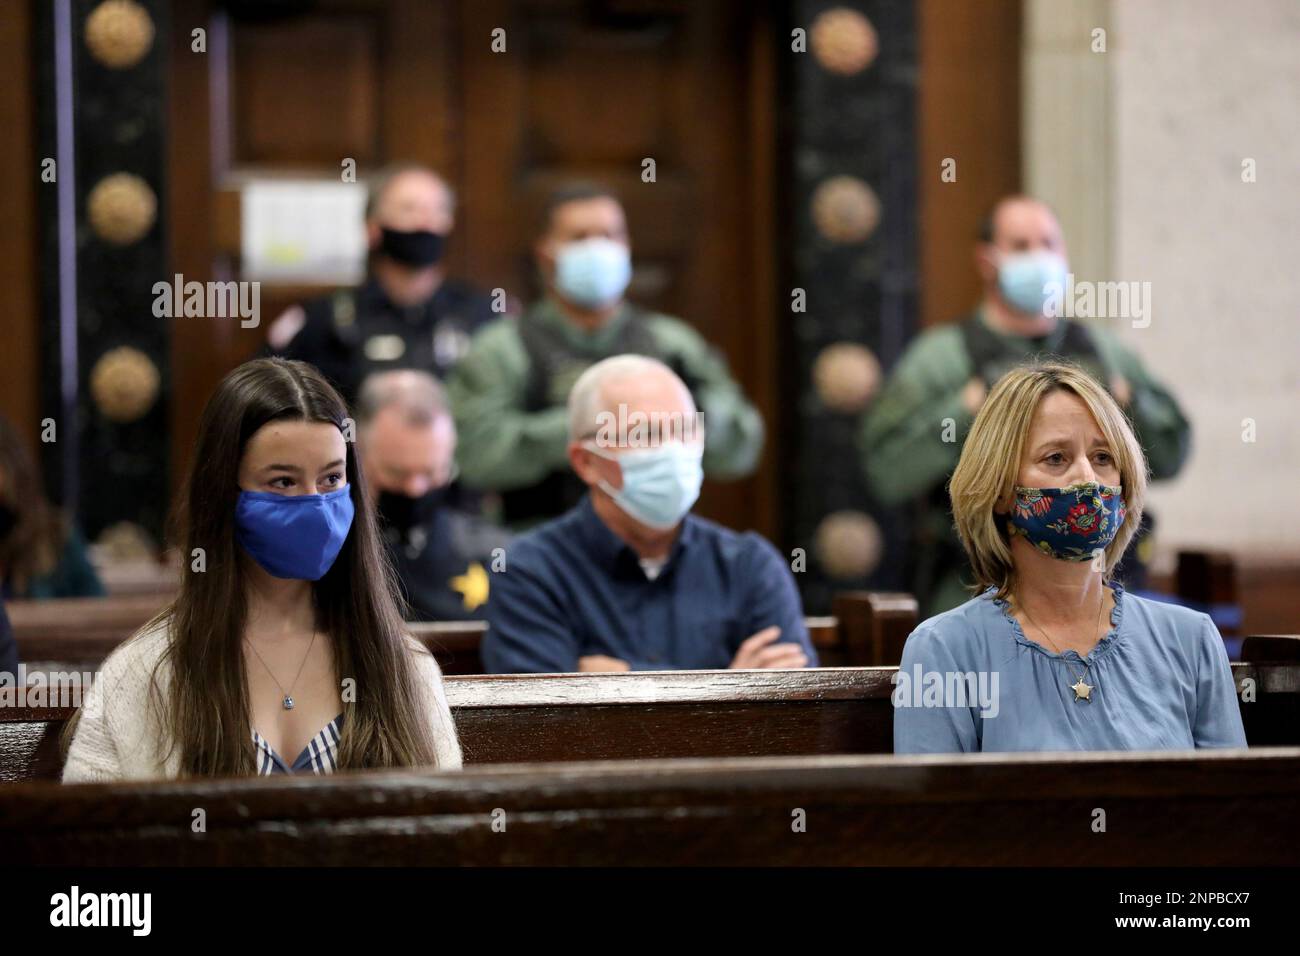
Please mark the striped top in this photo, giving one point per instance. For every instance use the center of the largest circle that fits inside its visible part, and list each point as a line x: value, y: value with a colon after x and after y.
x: 318, y: 756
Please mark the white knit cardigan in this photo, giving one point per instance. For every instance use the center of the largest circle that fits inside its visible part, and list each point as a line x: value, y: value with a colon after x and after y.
x: 118, y: 737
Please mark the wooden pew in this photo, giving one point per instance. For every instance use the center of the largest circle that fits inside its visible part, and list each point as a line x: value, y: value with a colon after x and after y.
x: 78, y: 633
x: 137, y: 577
x: 518, y: 718
x: 455, y: 644
x: 78, y: 630
x: 544, y: 718
x: 824, y: 632
x: 1271, y: 647
x: 1207, y: 580
x: 673, y: 714
x: 873, y: 626
x: 1204, y: 809
x: 1276, y: 659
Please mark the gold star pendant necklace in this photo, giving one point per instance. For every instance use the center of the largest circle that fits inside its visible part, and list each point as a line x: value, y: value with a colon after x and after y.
x: 1082, y: 689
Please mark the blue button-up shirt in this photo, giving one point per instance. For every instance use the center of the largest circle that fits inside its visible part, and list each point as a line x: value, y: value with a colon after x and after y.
x: 572, y: 588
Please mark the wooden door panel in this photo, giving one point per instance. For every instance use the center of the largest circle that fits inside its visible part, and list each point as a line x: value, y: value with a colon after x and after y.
x: 584, y: 91
x: 315, y: 106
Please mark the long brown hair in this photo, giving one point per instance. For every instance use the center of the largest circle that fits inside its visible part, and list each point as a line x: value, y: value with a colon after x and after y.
x: 205, y: 715
x: 33, y: 545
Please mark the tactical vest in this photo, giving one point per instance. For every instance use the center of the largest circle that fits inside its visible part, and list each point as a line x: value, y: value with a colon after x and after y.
x: 553, y: 367
x: 990, y: 361
x: 432, y: 346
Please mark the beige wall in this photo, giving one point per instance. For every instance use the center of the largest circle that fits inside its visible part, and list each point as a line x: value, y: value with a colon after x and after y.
x: 1186, y: 90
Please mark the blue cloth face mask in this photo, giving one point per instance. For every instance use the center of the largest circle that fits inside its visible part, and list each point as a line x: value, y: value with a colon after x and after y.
x: 659, y: 484
x: 593, y: 272
x: 1024, y: 279
x: 1069, y: 523
x: 294, y: 536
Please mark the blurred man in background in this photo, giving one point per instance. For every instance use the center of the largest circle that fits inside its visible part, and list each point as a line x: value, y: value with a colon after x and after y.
x: 407, y: 314
x: 509, y: 393
x: 407, y: 444
x: 947, y: 372
x: 629, y: 579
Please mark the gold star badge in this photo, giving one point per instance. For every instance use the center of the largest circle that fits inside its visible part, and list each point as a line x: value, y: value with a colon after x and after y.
x: 472, y: 586
x: 1082, y: 690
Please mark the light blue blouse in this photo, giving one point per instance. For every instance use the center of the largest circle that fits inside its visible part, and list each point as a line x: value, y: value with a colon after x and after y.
x: 970, y: 680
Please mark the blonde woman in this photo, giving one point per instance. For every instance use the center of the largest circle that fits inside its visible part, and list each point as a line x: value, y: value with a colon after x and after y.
x: 1050, y: 654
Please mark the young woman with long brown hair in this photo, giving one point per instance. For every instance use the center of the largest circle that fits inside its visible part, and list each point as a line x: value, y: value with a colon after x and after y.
x: 285, y: 639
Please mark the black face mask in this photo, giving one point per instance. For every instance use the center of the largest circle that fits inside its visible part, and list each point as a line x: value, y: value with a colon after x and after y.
x: 402, y: 512
x: 8, y: 520
x: 418, y: 248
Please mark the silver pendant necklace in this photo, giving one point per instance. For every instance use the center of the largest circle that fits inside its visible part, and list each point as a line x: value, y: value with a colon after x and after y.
x: 287, y: 700
x: 1082, y: 689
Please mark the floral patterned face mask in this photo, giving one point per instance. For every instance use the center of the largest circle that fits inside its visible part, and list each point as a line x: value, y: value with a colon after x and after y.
x: 1069, y: 523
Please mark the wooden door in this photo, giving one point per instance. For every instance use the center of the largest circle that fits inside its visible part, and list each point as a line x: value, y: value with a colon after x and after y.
x: 582, y: 90
x: 597, y: 91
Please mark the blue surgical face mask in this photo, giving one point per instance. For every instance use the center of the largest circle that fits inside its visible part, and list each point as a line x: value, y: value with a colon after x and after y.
x: 593, y: 272
x: 1028, y: 279
x: 659, y: 484
x: 294, y: 536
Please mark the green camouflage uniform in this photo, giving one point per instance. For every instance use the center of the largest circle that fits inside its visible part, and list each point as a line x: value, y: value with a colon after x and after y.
x: 907, y: 461
x: 509, y: 397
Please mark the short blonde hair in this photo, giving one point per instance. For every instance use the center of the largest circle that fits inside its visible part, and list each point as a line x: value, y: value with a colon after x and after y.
x: 989, y: 467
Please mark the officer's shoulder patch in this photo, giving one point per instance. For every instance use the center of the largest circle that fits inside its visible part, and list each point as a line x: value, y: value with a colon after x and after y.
x: 345, y: 308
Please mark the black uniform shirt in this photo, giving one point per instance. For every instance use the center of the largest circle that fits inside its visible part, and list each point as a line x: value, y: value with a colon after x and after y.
x: 445, y: 564
x: 355, y: 332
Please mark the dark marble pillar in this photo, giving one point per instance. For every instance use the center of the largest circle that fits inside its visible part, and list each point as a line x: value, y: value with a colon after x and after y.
x: 849, y: 129
x: 104, y: 353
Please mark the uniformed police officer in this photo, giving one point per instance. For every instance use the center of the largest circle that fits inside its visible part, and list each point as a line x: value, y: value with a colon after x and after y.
x: 509, y: 392
x: 407, y: 443
x: 947, y: 371
x: 407, y: 314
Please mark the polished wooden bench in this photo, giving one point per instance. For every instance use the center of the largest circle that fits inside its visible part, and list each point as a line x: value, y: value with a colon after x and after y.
x: 873, y: 627
x: 576, y: 717
x: 1276, y: 659
x: 78, y: 630
x: 78, y: 633
x: 1227, y: 808
x: 455, y: 644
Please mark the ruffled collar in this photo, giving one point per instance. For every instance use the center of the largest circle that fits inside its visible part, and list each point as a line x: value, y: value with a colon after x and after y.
x: 1102, y: 646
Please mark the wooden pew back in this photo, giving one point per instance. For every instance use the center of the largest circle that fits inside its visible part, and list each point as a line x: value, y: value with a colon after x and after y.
x: 558, y: 717
x: 582, y: 717
x: 78, y: 633
x: 455, y: 644
x: 1223, y: 809
x: 874, y: 626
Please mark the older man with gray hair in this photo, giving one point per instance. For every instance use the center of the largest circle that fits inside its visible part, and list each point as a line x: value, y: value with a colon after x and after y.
x: 629, y: 579
x: 407, y: 444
